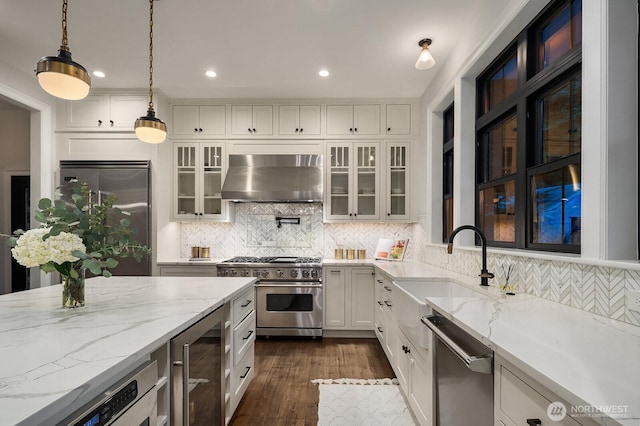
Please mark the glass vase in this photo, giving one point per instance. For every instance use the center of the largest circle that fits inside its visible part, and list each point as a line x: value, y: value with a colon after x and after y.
x: 73, y: 291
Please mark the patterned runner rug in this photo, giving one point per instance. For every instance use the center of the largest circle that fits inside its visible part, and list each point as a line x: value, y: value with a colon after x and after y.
x: 350, y: 402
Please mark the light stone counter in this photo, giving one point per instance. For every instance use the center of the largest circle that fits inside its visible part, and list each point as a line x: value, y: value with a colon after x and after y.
x: 586, y: 359
x: 52, y: 360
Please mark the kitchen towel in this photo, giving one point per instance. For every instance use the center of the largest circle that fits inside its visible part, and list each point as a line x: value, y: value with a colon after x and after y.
x: 362, y: 402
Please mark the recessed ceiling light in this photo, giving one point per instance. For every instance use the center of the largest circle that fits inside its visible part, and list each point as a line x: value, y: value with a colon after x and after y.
x: 99, y: 74
x: 323, y: 73
x: 210, y: 73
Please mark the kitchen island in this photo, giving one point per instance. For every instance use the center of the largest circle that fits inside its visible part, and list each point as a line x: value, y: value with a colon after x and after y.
x: 55, y: 360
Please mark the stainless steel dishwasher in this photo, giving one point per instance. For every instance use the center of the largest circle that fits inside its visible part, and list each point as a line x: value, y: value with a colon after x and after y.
x: 463, y: 375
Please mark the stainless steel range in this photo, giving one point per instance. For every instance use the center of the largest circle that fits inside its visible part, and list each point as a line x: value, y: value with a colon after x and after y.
x: 288, y: 293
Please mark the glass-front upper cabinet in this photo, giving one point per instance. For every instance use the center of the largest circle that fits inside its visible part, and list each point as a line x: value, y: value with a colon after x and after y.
x: 397, y: 180
x: 199, y: 172
x: 352, y: 181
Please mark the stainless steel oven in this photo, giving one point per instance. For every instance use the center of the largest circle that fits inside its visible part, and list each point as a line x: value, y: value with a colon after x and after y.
x: 289, y: 296
x: 291, y: 308
x: 131, y: 402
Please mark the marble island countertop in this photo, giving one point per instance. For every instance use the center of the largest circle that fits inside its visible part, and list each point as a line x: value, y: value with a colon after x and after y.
x: 52, y: 358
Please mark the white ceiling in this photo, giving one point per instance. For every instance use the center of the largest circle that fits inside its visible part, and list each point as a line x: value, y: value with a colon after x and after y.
x: 259, y: 48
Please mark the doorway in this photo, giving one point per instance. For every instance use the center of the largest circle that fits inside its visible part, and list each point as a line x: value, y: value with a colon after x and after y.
x: 20, y: 213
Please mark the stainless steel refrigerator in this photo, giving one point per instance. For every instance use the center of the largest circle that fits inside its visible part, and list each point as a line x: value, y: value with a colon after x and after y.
x: 130, y: 182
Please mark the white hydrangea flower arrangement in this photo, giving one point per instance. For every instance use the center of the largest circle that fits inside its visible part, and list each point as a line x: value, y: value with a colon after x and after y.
x: 75, y: 236
x: 32, y: 249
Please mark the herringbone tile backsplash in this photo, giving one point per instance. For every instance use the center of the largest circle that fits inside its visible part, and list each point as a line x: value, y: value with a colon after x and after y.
x: 593, y: 288
x: 255, y: 233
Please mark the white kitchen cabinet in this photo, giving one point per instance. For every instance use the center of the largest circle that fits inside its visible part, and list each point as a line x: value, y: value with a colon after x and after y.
x: 398, y: 119
x: 397, y: 188
x: 416, y: 379
x: 352, y: 181
x: 199, y: 170
x: 348, y: 298
x: 299, y: 120
x: 198, y: 120
x: 252, y: 120
x: 354, y: 120
x: 188, y: 271
x: 105, y: 112
x: 520, y: 400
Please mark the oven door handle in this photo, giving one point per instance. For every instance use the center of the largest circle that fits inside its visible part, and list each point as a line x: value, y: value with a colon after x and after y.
x: 291, y: 285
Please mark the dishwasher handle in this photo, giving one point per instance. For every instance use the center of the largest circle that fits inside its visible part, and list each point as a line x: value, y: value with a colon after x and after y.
x: 478, y: 363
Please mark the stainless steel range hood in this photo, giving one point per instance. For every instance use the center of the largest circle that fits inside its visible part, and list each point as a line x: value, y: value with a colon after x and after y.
x: 282, y: 178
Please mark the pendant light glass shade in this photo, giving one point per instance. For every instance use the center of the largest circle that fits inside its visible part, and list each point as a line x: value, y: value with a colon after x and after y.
x: 59, y: 75
x: 425, y: 60
x: 149, y: 128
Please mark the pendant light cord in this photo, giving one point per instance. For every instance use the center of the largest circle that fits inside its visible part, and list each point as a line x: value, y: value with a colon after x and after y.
x: 150, y: 55
x: 64, y: 46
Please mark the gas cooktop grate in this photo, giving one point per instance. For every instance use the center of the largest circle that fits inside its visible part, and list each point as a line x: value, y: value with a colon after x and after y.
x: 275, y: 259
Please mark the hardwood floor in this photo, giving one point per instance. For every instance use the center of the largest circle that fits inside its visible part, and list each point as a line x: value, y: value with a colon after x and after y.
x: 282, y: 394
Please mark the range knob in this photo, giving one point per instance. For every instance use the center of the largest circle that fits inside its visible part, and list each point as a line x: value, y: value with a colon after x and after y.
x: 294, y: 273
x: 245, y: 272
x: 256, y: 273
x: 314, y: 274
x: 265, y: 273
x: 233, y: 272
x: 222, y: 273
x: 305, y: 274
x: 279, y: 273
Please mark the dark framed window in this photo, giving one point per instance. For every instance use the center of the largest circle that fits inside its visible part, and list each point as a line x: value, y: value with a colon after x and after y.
x: 528, y: 136
x: 447, y: 173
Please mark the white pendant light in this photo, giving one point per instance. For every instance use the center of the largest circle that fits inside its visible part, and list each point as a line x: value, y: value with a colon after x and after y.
x: 59, y: 75
x: 149, y: 128
x: 425, y: 60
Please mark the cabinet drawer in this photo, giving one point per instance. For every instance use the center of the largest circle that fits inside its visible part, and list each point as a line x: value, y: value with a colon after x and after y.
x: 188, y: 271
x: 241, y: 376
x: 243, y: 305
x: 243, y: 337
x: 520, y: 402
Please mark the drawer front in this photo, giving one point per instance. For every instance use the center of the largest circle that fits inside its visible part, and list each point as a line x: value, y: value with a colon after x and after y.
x: 243, y: 337
x: 521, y: 402
x: 243, y: 305
x: 241, y: 376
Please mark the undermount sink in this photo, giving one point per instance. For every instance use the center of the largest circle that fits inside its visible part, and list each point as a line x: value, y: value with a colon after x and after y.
x: 409, y: 304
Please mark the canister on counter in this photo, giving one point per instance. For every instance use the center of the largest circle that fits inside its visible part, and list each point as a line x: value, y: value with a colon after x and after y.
x: 351, y: 254
x: 195, y: 251
x: 338, y: 253
x: 204, y: 252
x: 362, y: 254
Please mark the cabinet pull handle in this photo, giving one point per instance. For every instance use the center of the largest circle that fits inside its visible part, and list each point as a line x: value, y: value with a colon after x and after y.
x: 199, y: 130
x: 355, y: 214
x: 350, y: 214
x: 254, y: 130
x: 386, y: 287
x: 245, y: 373
x: 380, y: 303
x: 195, y: 130
x: 247, y: 303
x: 99, y: 122
x: 355, y: 129
x: 380, y: 329
x: 388, y: 129
x: 333, y: 271
x: 389, y: 304
x: 249, y: 129
x: 388, y: 214
x: 185, y: 384
x: 534, y: 422
x: 380, y: 281
x: 301, y: 129
x: 351, y: 129
x: 111, y: 122
x: 248, y: 335
x: 296, y: 130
